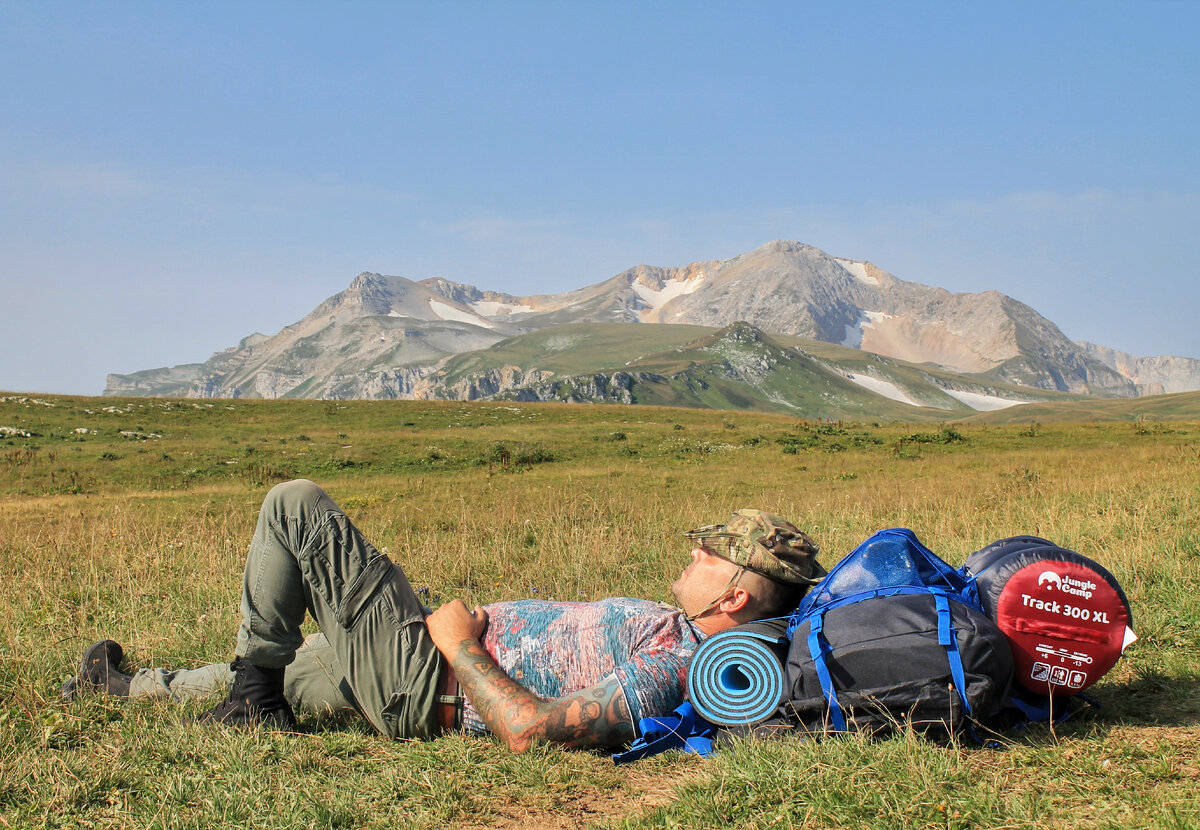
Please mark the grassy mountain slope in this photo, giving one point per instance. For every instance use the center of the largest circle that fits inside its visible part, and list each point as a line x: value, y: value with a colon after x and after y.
x: 736, y: 367
x: 924, y: 382
x: 574, y: 349
x: 1181, y: 406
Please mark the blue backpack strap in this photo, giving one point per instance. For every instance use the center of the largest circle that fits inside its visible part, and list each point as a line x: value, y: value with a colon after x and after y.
x: 684, y: 730
x: 970, y: 591
x: 1033, y: 712
x: 816, y: 650
x: 946, y: 638
x: 1040, y: 709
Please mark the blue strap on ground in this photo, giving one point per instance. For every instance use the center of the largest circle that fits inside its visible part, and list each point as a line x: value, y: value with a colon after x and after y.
x: 684, y: 730
x: 1033, y: 712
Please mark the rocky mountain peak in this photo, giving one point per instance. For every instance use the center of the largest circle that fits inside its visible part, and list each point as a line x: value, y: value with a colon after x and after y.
x: 1151, y: 375
x: 740, y: 332
x: 784, y: 246
x: 364, y: 280
x: 451, y: 290
x: 374, y: 292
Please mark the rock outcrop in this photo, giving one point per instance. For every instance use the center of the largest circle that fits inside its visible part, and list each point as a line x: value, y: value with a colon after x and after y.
x: 1150, y: 375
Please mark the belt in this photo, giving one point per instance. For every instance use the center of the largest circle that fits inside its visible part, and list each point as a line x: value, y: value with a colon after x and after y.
x: 450, y: 700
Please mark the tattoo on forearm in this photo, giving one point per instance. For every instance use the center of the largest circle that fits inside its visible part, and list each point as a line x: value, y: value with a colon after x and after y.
x: 598, y: 716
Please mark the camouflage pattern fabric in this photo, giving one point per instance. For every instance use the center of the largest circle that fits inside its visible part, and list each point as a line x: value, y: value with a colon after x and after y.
x: 766, y: 544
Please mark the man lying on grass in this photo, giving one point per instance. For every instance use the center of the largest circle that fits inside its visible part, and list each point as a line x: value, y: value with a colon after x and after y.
x: 578, y: 674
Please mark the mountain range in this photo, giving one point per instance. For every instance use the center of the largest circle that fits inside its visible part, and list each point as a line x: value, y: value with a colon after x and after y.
x: 785, y: 327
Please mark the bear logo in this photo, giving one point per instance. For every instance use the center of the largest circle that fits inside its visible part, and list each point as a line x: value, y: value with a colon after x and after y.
x: 1050, y: 579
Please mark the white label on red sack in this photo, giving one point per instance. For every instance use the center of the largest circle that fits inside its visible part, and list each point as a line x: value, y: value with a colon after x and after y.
x: 1129, y: 638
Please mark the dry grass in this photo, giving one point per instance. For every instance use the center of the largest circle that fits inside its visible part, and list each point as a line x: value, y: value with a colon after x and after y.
x: 142, y: 540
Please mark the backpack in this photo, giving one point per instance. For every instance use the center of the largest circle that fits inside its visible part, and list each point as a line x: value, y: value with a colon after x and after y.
x: 893, y: 636
x: 1066, y: 618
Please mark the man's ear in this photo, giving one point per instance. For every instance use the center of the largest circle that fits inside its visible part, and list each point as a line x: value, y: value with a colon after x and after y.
x: 735, y: 601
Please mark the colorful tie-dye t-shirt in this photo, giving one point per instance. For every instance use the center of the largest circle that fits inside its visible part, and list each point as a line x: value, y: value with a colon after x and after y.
x: 556, y: 648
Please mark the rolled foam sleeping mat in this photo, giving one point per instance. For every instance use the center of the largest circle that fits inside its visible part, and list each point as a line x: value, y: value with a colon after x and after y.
x: 736, y: 676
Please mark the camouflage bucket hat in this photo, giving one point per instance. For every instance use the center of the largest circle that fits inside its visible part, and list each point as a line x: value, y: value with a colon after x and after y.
x: 766, y: 544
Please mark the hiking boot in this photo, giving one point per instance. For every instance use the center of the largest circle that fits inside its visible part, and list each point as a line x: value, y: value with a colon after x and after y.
x: 98, y: 672
x: 256, y: 699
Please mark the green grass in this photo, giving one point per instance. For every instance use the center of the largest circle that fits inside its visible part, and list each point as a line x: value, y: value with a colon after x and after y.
x: 574, y: 349
x: 1148, y: 412
x: 141, y: 538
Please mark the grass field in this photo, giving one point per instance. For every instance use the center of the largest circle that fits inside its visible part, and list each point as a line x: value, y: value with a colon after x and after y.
x: 130, y: 519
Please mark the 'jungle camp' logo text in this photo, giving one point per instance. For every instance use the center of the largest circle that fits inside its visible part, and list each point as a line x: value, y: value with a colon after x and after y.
x: 1075, y: 587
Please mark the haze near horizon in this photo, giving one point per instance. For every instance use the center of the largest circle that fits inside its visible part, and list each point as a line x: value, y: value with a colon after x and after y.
x: 174, y: 178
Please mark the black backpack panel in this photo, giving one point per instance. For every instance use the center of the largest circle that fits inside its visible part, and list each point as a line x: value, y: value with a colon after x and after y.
x: 889, y: 668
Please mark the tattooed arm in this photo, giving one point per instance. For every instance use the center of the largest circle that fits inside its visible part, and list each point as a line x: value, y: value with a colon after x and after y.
x: 596, y: 716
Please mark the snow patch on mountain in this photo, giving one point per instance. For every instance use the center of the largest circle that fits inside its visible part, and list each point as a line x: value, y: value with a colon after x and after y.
x: 858, y: 270
x: 866, y: 320
x: 448, y: 312
x: 982, y: 403
x: 493, y: 309
x: 656, y: 298
x: 883, y: 387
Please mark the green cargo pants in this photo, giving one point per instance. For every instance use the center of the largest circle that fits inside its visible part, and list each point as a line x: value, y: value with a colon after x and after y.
x: 314, y: 684
x: 306, y: 556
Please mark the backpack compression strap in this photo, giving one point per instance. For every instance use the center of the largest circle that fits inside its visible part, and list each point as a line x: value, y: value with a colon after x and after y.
x: 946, y: 638
x: 817, y: 646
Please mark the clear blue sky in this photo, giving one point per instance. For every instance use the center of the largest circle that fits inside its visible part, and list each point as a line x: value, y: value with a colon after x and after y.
x: 175, y: 176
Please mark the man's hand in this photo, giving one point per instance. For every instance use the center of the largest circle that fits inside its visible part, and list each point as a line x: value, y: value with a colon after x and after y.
x: 453, y: 623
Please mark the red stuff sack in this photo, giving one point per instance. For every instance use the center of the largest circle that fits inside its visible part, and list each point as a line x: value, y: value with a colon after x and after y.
x: 1066, y: 618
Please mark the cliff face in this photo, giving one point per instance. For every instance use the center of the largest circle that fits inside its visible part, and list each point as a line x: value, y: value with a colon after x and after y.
x: 791, y: 288
x: 1150, y: 375
x: 488, y: 384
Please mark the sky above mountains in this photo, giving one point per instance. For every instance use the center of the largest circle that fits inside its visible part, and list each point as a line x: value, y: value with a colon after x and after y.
x: 174, y: 177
